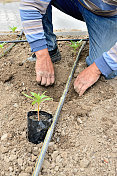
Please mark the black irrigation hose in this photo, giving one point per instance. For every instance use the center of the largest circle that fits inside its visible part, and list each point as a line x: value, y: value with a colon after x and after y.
x: 51, y: 129
x: 11, y: 46
x: 18, y: 41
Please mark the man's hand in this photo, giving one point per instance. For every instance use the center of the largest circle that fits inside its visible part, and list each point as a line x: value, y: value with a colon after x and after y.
x: 44, y: 68
x: 86, y: 78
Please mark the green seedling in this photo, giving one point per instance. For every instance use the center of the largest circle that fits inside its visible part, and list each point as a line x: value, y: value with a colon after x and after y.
x: 37, y: 98
x: 13, y: 28
x: 2, y: 45
x: 75, y: 45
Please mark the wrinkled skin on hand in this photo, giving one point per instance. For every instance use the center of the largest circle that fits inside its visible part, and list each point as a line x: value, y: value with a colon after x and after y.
x: 44, y: 68
x: 86, y: 79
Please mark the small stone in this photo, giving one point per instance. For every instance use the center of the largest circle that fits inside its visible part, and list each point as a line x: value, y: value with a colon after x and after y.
x: 54, y: 155
x: 58, y: 139
x: 82, y: 169
x: 84, y: 163
x: 34, y: 158
x: 46, y: 164
x: 58, y: 159
x: 29, y: 149
x: 28, y: 169
x: 51, y: 144
x: 23, y: 134
x: 20, y: 63
x: 53, y: 165
x: 4, y: 150
x: 15, y: 105
x: 23, y: 174
x: 12, y: 157
x: 10, y: 169
x: 75, y: 170
x: 56, y: 168
x: 4, y: 136
x: 20, y: 161
x: 63, y: 133
x: 79, y: 120
x: 35, y: 153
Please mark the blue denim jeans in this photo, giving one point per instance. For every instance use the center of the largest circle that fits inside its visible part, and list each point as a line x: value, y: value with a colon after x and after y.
x: 102, y: 30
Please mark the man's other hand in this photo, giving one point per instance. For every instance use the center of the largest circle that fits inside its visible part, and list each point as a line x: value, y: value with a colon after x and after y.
x: 86, y: 79
x: 44, y: 68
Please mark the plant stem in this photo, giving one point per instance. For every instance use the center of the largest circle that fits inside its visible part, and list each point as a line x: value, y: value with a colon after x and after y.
x: 38, y: 111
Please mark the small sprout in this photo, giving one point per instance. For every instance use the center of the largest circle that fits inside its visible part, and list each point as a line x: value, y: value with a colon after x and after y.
x: 13, y: 28
x: 75, y: 45
x: 2, y: 45
x: 37, y: 98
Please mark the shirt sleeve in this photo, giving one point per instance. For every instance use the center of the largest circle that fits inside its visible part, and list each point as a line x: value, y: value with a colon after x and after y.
x: 108, y: 61
x: 32, y: 12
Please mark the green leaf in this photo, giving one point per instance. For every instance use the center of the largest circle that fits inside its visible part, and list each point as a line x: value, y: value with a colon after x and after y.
x: 28, y: 96
x: 46, y: 99
x: 34, y: 102
x: 35, y: 95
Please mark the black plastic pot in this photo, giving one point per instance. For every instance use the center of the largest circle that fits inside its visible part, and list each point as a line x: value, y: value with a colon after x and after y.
x: 36, y: 130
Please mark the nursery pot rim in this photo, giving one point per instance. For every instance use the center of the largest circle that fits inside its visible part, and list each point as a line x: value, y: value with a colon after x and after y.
x: 36, y: 112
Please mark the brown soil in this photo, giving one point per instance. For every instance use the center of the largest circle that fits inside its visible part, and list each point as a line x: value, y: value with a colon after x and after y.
x: 85, y: 138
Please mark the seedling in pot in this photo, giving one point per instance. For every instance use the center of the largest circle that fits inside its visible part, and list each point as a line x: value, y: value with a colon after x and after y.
x: 75, y: 45
x: 37, y: 127
x: 13, y: 28
x: 37, y: 98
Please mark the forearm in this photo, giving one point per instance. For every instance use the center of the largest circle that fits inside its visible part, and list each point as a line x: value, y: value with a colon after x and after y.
x: 31, y: 13
x: 108, y: 61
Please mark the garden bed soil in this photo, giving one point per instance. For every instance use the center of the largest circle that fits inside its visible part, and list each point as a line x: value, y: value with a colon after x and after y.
x: 85, y: 138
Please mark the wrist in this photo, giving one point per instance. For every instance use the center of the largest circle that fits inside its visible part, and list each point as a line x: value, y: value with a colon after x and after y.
x: 42, y: 53
x: 96, y: 69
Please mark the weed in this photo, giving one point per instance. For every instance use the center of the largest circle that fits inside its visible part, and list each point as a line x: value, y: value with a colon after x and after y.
x: 75, y: 45
x: 13, y: 28
x: 2, y: 45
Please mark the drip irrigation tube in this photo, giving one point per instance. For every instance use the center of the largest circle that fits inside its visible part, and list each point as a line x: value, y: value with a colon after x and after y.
x: 11, y: 46
x: 18, y: 41
x: 51, y: 129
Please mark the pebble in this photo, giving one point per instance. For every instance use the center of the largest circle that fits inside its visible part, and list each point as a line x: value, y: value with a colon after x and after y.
x: 20, y: 161
x: 58, y: 159
x: 28, y: 169
x: 79, y: 120
x: 29, y: 149
x: 4, y: 150
x: 23, y: 134
x: 54, y: 155
x: 10, y: 169
x: 51, y: 144
x: 34, y: 158
x: 4, y: 136
x: 23, y: 174
x: 63, y: 133
x: 75, y: 170
x: 46, y: 164
x: 53, y: 165
x: 84, y: 163
x: 15, y: 105
x: 58, y: 139
x: 56, y: 168
x: 12, y: 157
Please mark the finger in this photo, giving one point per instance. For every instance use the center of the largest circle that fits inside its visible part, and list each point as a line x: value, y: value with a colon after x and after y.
x: 48, y: 81
x: 82, y: 90
x: 38, y: 79
x: 78, y: 85
x: 52, y: 79
x: 43, y: 81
